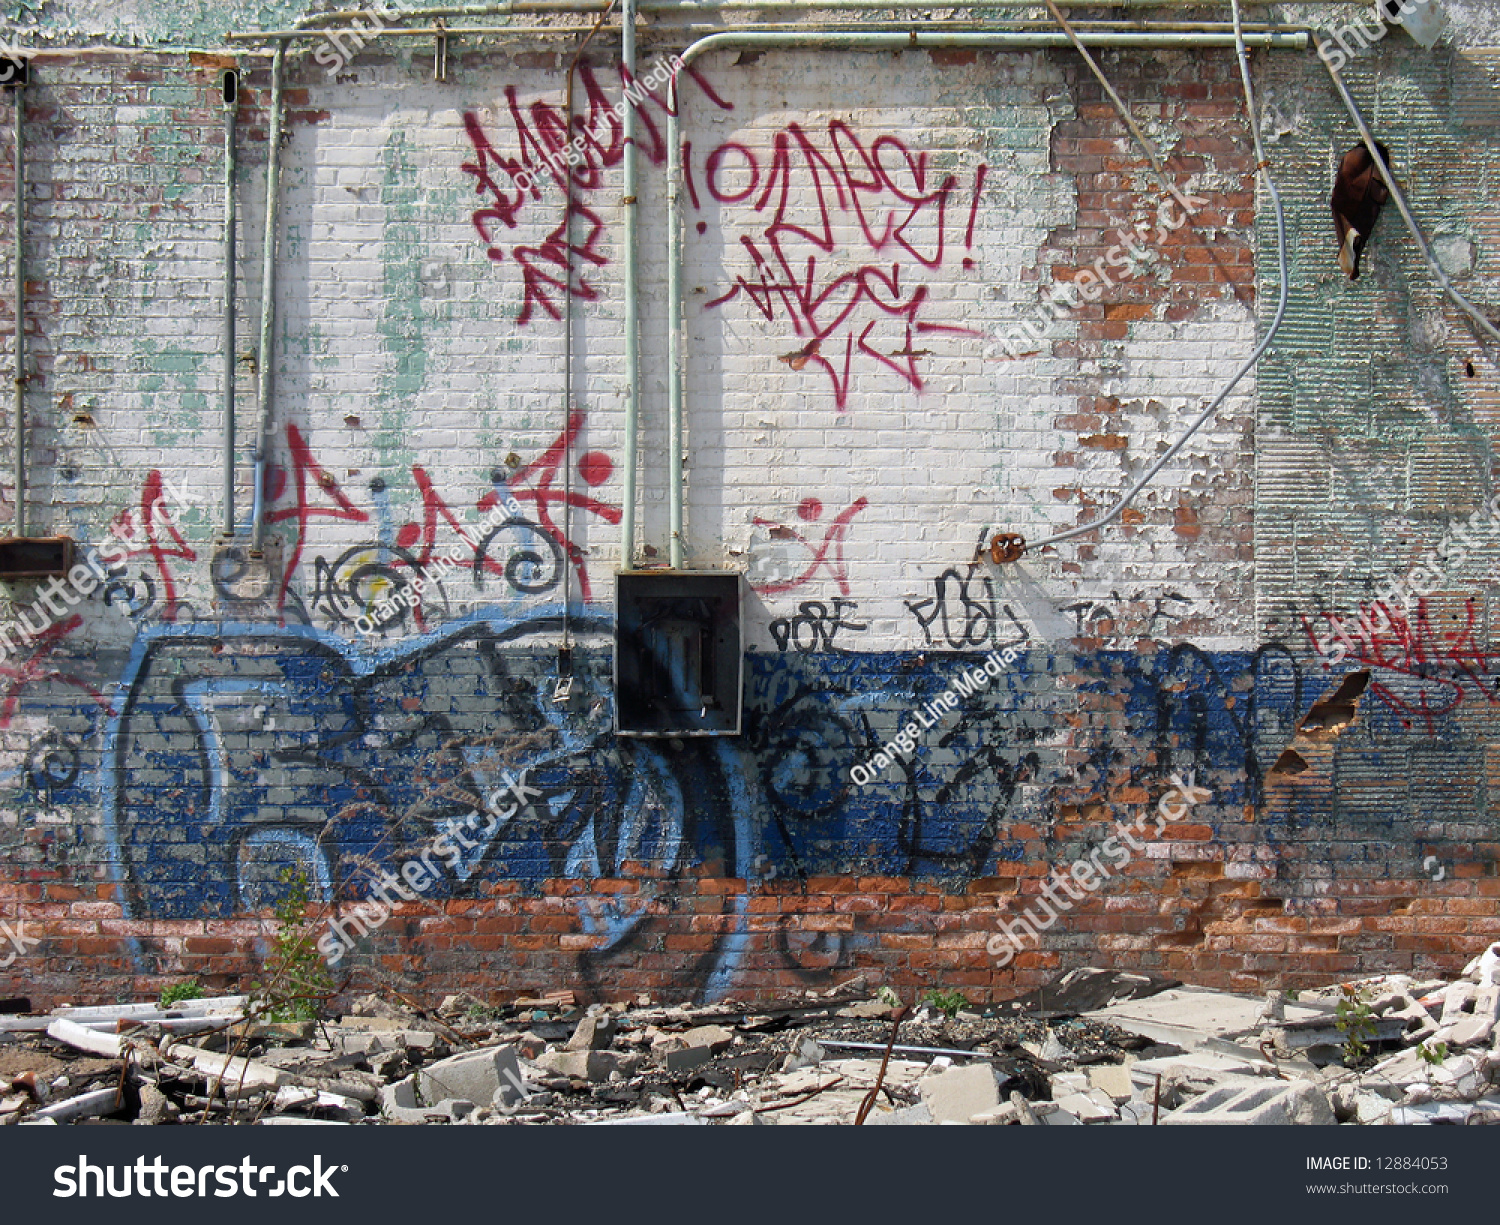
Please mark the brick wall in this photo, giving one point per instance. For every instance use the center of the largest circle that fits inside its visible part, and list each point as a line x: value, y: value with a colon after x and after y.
x: 864, y: 235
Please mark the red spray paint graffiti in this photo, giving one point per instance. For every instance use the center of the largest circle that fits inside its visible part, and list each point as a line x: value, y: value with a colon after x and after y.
x: 1444, y: 663
x: 556, y: 267
x: 594, y: 468
x: 867, y: 297
x: 154, y: 516
x: 305, y: 469
x: 828, y: 554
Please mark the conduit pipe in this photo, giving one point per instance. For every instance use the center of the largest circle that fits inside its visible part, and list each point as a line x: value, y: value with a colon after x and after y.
x: 629, y: 202
x: 18, y: 92
x: 757, y: 6
x: 1405, y: 209
x: 230, y: 86
x: 265, y: 383
x: 1261, y: 166
x: 868, y: 41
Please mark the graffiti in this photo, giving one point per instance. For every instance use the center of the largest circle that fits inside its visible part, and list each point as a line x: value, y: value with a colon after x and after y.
x: 1092, y: 618
x: 1234, y: 711
x: 827, y: 554
x: 963, y: 613
x: 361, y: 774
x: 815, y: 626
x: 594, y: 467
x: 575, y: 158
x: 147, y: 524
x: 793, y: 205
x: 1434, y: 667
x: 305, y: 471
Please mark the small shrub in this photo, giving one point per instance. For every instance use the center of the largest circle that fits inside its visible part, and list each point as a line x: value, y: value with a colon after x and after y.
x: 175, y: 993
x: 947, y: 1002
x: 296, y: 980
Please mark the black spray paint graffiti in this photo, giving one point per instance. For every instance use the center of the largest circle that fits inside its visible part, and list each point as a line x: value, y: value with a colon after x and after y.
x: 963, y: 614
x: 815, y: 626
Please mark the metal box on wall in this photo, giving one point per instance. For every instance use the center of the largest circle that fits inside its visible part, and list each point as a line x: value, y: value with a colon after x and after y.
x: 28, y: 557
x: 679, y: 652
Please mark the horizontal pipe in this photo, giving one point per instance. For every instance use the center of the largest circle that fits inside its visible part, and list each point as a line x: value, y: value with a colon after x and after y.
x: 286, y: 36
x: 660, y: 7
x: 1253, y: 33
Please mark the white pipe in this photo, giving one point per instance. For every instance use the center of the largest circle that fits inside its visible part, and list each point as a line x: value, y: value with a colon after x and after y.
x: 628, y: 275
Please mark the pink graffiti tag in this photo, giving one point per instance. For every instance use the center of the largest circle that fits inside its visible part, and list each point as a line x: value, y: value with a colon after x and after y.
x: 840, y: 298
x: 837, y: 532
x: 555, y: 268
x: 1445, y: 662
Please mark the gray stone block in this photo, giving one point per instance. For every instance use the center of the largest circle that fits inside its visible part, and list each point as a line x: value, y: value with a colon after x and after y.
x: 473, y: 1077
x: 1275, y: 1104
x: 959, y: 1093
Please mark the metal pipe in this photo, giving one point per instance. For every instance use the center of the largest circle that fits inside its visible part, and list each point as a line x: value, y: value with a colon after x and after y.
x: 675, y: 344
x: 893, y: 26
x: 853, y: 39
x: 1400, y: 198
x: 230, y: 86
x: 286, y: 36
x: 1262, y: 166
x: 264, y: 381
x: 17, y: 95
x: 758, y: 6
x: 628, y: 275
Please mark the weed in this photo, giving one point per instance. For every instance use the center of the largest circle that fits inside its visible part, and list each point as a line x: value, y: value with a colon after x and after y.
x: 947, y: 1002
x: 296, y: 979
x: 175, y: 993
x: 1356, y: 1022
x: 1432, y: 1052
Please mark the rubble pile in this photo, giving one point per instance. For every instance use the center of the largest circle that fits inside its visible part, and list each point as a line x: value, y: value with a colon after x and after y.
x: 1094, y: 1047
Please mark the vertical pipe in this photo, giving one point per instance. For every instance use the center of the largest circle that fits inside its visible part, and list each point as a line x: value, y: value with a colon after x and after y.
x: 17, y: 94
x: 264, y: 380
x: 632, y: 322
x: 230, y: 84
x: 674, y: 326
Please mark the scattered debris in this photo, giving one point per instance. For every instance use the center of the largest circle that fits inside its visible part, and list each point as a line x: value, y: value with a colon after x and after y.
x: 1095, y: 1047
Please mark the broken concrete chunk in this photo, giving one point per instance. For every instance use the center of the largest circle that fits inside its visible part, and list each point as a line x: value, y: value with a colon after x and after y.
x: 1064, y: 1083
x: 84, y: 1106
x: 1484, y: 968
x: 1470, y: 1030
x: 676, y: 1118
x: 594, y: 1033
x: 473, y: 1077
x: 1272, y: 1104
x: 807, y: 1055
x: 1112, y: 1079
x: 1050, y: 1114
x: 1089, y: 1107
x: 904, y: 1116
x: 582, y: 1065
x: 959, y: 1093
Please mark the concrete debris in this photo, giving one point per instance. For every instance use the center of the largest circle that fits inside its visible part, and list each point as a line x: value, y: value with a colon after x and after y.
x: 1093, y: 1048
x: 1257, y: 1105
x: 957, y: 1094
